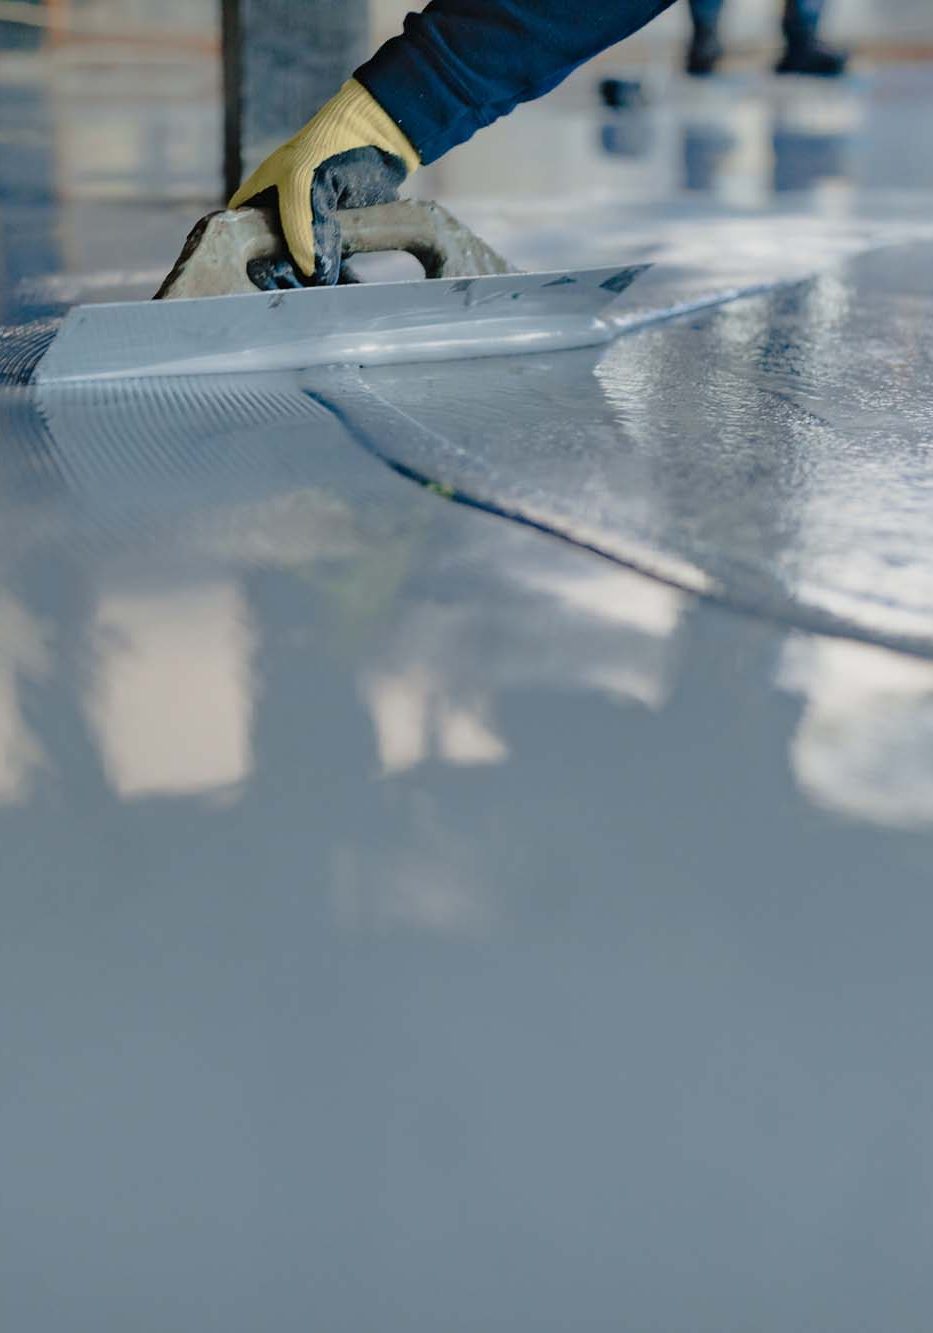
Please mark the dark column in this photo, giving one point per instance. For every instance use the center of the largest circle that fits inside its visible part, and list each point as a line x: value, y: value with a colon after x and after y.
x: 282, y: 60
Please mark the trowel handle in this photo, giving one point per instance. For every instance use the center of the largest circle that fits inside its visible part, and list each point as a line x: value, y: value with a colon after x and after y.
x: 219, y: 251
x: 444, y: 247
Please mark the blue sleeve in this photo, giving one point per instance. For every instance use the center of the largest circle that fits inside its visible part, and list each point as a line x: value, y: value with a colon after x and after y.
x: 461, y: 64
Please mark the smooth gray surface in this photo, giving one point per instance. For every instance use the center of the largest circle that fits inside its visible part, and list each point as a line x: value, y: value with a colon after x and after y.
x: 410, y: 918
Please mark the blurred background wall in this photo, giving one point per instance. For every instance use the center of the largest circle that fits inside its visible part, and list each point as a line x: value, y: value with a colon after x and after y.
x: 881, y: 23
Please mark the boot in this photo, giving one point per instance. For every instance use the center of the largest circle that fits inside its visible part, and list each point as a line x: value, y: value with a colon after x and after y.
x: 804, y: 53
x: 704, y: 52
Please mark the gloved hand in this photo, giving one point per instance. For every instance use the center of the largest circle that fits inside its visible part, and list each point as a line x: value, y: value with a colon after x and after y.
x: 350, y: 155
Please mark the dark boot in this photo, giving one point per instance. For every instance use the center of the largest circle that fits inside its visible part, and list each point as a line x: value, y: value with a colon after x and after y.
x: 704, y: 52
x: 804, y: 53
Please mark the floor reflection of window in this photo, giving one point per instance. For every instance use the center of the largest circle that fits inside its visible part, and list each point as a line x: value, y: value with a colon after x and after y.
x: 465, y: 737
x: 864, y: 743
x: 414, y: 719
x: 171, y: 699
x: 559, y: 620
x: 23, y: 656
x: 636, y: 661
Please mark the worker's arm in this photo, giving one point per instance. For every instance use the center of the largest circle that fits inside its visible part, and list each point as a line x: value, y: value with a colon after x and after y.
x: 457, y: 66
x: 462, y: 64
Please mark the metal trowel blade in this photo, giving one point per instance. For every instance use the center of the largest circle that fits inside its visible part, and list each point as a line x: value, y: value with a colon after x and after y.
x: 368, y: 324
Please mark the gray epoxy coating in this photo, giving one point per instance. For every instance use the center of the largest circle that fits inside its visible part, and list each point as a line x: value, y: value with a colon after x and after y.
x: 411, y: 917
x: 413, y: 921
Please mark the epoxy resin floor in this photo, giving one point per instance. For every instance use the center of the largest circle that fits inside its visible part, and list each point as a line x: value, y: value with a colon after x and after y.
x: 414, y: 919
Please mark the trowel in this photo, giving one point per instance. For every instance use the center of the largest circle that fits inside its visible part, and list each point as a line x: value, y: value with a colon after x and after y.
x: 233, y: 303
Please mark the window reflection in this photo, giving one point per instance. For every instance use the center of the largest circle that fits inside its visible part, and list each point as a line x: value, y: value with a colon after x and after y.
x: 416, y: 718
x: 864, y: 744
x: 23, y: 656
x: 556, y: 618
x: 171, y: 698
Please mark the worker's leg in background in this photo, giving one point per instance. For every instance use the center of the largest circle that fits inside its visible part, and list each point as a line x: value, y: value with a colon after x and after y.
x: 705, y: 48
x: 804, y: 53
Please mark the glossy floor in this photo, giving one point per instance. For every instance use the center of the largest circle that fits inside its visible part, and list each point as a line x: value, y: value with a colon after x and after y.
x: 394, y: 896
x: 414, y: 920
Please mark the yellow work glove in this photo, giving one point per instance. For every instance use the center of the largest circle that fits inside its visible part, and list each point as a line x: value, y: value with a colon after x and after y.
x: 350, y: 155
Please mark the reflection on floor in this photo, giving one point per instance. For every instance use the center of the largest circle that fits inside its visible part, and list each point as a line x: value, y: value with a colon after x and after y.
x: 862, y: 746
